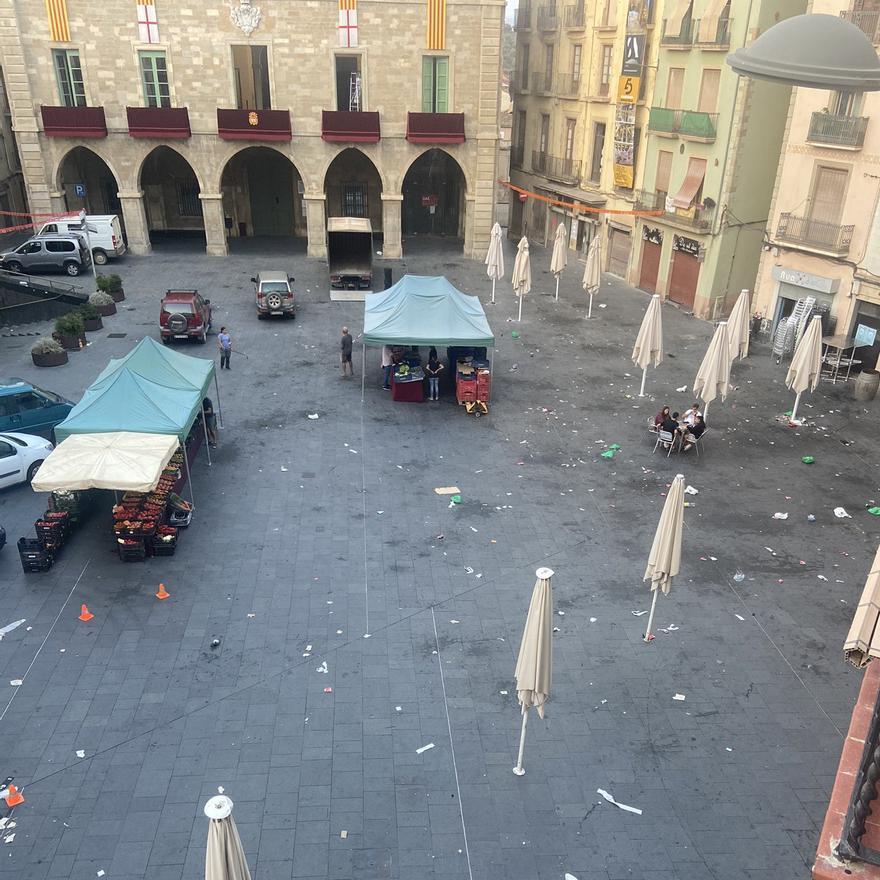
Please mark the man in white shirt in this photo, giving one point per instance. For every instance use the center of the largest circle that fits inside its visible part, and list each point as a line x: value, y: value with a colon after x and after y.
x: 387, y: 366
x: 690, y: 415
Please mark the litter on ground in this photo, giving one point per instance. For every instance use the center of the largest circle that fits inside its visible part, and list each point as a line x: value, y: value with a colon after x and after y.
x: 611, y: 800
x: 447, y: 490
x: 424, y: 748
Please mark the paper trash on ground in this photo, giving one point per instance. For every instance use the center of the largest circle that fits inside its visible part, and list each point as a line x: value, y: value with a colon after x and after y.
x: 447, y: 490
x: 690, y: 490
x: 611, y: 800
x: 779, y: 515
x: 80, y: 753
x: 840, y: 513
x: 424, y: 748
x: 678, y: 696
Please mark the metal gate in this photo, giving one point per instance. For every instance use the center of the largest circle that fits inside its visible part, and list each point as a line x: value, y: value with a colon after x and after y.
x: 683, y: 277
x: 618, y: 252
x: 650, y: 267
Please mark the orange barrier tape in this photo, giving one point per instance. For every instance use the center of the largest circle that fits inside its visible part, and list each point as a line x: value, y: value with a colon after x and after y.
x: 576, y: 206
x: 53, y: 214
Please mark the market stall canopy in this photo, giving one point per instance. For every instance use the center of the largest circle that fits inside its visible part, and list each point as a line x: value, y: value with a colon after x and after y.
x: 128, y: 462
x: 160, y: 364
x: 126, y: 401
x: 425, y: 310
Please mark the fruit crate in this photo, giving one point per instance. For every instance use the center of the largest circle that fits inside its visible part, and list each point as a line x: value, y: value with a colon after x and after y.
x: 132, y: 550
x: 33, y: 555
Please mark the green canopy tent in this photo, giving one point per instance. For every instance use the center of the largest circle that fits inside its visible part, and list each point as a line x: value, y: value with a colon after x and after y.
x: 424, y: 310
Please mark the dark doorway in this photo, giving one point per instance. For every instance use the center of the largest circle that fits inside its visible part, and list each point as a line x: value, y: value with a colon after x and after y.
x: 433, y: 196
x: 171, y: 195
x: 348, y: 82
x: 88, y: 183
x: 353, y: 188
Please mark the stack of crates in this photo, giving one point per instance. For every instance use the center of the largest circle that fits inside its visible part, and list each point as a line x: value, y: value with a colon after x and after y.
x: 465, y: 382
x: 484, y: 381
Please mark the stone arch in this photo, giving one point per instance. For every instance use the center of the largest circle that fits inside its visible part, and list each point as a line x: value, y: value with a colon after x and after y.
x: 434, y: 191
x: 353, y: 186
x: 171, y: 186
x: 85, y: 170
x: 262, y: 191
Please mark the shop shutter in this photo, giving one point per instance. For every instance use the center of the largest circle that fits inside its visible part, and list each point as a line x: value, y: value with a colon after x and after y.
x: 829, y: 188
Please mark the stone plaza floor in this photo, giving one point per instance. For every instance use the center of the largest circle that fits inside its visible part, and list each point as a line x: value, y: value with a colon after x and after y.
x: 323, y: 538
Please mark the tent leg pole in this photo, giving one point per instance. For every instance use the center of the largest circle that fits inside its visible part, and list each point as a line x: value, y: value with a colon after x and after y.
x: 207, y: 443
x: 647, y: 637
x: 644, y: 376
x: 219, y: 408
x: 493, y: 290
x: 797, y: 400
x: 363, y: 370
x: 188, y: 475
x: 518, y: 770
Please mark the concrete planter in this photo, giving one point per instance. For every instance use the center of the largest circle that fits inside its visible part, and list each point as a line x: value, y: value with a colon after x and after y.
x: 71, y: 343
x: 52, y: 359
x: 106, y: 311
x: 95, y: 324
x: 118, y: 295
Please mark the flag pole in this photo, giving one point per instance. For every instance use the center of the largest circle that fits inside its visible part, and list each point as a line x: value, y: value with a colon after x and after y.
x: 518, y: 770
x: 647, y: 636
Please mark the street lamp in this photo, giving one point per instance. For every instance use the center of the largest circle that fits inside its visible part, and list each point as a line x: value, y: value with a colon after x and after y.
x: 812, y: 51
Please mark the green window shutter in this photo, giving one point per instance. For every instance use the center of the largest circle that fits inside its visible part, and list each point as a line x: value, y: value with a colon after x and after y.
x: 442, y: 90
x: 427, y: 84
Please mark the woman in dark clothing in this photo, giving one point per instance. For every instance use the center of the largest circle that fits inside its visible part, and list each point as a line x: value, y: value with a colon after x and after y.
x: 661, y: 417
x: 433, y: 369
x: 694, y: 433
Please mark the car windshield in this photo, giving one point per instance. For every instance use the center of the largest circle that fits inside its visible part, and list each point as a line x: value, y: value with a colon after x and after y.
x: 274, y: 287
x: 55, y: 398
x: 180, y: 308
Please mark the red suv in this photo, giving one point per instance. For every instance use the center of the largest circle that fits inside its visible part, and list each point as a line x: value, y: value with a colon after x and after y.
x: 184, y: 315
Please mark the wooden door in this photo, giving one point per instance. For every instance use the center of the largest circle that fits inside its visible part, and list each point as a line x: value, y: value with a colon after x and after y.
x: 618, y: 252
x: 650, y: 267
x: 683, y: 277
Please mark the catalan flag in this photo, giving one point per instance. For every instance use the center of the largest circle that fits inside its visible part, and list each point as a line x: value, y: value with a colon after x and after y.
x: 59, y: 27
x: 348, y: 24
x: 148, y: 24
x: 436, y: 24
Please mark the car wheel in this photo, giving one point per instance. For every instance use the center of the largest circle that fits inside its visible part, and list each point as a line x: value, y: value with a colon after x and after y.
x: 261, y: 316
x: 32, y: 470
x: 177, y: 323
x: 273, y: 301
x: 166, y: 340
x: 99, y: 257
x: 14, y: 266
x: 72, y: 269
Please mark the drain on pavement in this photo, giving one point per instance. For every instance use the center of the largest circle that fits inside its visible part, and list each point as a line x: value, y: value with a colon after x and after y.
x: 116, y: 335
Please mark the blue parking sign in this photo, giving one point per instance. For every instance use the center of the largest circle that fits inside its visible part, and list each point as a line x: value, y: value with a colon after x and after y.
x: 79, y: 190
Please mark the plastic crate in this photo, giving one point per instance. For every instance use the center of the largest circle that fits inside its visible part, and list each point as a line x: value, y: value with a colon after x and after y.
x: 33, y: 555
x: 136, y: 552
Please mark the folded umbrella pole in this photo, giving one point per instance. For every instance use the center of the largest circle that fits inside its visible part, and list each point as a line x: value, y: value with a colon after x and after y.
x: 648, y: 348
x: 593, y: 271
x: 806, y: 365
x: 664, y: 560
x: 559, y: 259
x: 495, y: 257
x: 521, y: 280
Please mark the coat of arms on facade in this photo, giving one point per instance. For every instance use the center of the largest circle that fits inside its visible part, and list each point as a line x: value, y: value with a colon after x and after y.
x: 245, y: 16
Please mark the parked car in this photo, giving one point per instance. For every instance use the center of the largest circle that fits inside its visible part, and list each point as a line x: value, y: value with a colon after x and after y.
x: 2, y: 537
x: 48, y: 253
x: 20, y: 457
x: 274, y: 294
x: 26, y: 407
x: 184, y: 315
x: 104, y: 234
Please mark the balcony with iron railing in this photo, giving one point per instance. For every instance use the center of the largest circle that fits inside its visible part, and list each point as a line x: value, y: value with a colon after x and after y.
x: 868, y: 22
x: 817, y: 235
x: 576, y: 16
x: 523, y: 17
x: 718, y: 39
x: 556, y: 167
x: 698, y: 217
x: 542, y: 83
x: 605, y: 18
x: 682, y: 40
x: 568, y: 86
x: 548, y: 18
x: 690, y: 124
x: 847, y: 132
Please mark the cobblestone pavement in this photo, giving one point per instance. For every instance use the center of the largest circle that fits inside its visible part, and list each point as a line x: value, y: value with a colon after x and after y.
x: 326, y: 533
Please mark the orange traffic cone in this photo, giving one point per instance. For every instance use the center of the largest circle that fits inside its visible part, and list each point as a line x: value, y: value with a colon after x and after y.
x: 84, y: 613
x: 163, y: 593
x: 13, y: 796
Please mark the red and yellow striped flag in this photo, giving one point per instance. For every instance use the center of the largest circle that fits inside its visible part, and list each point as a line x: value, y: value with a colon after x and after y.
x: 348, y: 24
x: 59, y: 27
x: 436, y: 24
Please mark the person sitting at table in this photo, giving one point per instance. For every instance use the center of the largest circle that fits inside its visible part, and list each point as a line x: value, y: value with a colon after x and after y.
x: 661, y: 417
x: 694, y: 432
x: 670, y: 424
x: 691, y: 414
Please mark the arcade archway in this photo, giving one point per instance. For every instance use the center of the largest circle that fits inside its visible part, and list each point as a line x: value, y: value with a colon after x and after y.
x: 171, y: 196
x: 434, y: 196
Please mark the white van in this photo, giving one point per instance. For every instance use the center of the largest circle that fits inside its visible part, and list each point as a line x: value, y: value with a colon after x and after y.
x: 105, y: 234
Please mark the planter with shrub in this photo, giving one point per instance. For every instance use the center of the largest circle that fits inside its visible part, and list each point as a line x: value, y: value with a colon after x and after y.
x: 103, y: 304
x: 46, y: 352
x: 91, y: 318
x: 70, y: 331
x: 111, y: 284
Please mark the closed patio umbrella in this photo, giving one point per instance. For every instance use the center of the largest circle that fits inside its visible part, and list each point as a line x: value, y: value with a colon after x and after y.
x: 713, y: 377
x: 863, y: 639
x: 224, y: 859
x: 649, y: 343
x: 534, y: 665
x: 495, y: 257
x: 738, y: 327
x: 664, y: 560
x: 593, y: 271
x: 559, y: 260
x: 522, y: 273
x: 806, y: 365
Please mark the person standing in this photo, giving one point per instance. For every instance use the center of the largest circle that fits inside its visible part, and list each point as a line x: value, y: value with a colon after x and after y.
x: 433, y: 369
x: 210, y: 418
x: 347, y: 369
x: 387, y: 367
x: 224, y: 343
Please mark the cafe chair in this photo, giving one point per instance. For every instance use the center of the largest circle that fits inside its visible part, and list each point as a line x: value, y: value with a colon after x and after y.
x: 664, y: 437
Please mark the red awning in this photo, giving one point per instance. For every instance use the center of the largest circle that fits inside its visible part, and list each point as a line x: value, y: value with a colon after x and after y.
x: 693, y: 180
x: 435, y: 128
x: 75, y: 122
x: 343, y: 126
x: 254, y: 125
x: 158, y: 122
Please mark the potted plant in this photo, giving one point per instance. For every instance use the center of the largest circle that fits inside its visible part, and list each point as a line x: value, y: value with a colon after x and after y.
x: 103, y: 304
x: 70, y: 331
x: 91, y: 318
x: 111, y: 284
x: 46, y: 352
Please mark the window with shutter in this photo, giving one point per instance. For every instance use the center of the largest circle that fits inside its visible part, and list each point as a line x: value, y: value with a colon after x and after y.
x: 154, y: 73
x: 708, y: 101
x: 435, y: 84
x: 664, y: 169
x: 674, y: 88
x: 68, y: 72
x: 829, y: 189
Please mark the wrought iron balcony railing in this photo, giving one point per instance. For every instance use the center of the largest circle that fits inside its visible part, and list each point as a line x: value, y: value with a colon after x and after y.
x: 837, y: 131
x: 695, y: 217
x: 813, y: 234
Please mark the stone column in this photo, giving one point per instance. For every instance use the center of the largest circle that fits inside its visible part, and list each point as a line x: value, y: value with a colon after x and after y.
x: 392, y: 248
x: 215, y: 228
x: 134, y: 215
x: 58, y: 202
x: 316, y: 225
x: 470, y: 202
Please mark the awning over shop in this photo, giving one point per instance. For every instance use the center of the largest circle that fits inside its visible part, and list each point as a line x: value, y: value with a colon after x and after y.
x: 128, y: 462
x: 693, y: 180
x: 425, y: 310
x: 573, y: 194
x: 676, y: 18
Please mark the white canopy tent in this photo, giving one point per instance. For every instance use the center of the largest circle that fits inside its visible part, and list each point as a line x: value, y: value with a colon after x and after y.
x: 121, y: 460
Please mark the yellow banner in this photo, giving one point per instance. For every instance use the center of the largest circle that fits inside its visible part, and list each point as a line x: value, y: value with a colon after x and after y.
x: 59, y: 28
x: 436, y: 24
x: 628, y: 89
x: 623, y: 176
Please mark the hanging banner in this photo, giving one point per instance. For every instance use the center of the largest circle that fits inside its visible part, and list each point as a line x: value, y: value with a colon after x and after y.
x: 148, y: 24
x: 625, y: 111
x: 436, y: 37
x: 348, y: 24
x: 59, y: 27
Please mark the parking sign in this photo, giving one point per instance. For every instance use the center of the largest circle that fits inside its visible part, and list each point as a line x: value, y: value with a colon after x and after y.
x: 79, y: 190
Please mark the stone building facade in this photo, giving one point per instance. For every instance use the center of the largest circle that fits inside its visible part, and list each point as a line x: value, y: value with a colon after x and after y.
x: 259, y: 117
x: 12, y: 195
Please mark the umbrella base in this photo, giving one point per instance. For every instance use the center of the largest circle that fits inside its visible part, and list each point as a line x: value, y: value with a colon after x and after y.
x: 519, y: 771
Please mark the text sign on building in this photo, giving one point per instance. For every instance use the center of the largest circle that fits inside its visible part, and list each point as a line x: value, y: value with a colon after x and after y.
x: 625, y: 113
x: 429, y: 201
x: 79, y: 190
x: 805, y: 279
x: 865, y: 335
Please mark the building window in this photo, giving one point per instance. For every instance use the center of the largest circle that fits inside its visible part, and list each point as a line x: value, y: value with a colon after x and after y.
x: 349, y: 85
x: 674, y: 86
x: 251, y: 69
x: 548, y: 66
x: 576, y: 52
x: 188, y: 202
x: 354, y: 200
x: 545, y: 133
x: 524, y: 68
x: 435, y: 84
x: 570, y: 125
x: 154, y: 73
x: 68, y: 71
x: 663, y: 173
x: 519, y: 140
x: 845, y: 103
x: 828, y: 193
x: 605, y: 70
x: 598, y: 149
x: 708, y: 100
